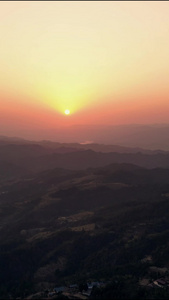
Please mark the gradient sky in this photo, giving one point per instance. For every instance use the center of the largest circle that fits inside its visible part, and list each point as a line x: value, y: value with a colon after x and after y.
x: 106, y: 61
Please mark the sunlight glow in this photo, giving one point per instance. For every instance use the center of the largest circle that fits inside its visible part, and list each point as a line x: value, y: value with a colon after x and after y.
x: 67, y: 112
x: 103, y: 61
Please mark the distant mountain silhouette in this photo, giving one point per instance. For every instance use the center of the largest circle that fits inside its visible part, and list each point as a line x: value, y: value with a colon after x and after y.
x: 153, y: 136
x: 40, y: 156
x: 150, y: 136
x: 85, y: 159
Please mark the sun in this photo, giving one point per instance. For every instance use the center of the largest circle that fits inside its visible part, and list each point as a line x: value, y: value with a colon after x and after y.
x: 67, y: 112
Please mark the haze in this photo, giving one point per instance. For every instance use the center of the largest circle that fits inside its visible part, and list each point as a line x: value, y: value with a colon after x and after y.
x: 107, y: 62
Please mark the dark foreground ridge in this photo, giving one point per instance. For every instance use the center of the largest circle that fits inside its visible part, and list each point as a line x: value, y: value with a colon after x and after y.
x: 94, y: 233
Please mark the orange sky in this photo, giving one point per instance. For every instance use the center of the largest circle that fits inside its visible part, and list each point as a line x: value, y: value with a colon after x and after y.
x: 105, y: 61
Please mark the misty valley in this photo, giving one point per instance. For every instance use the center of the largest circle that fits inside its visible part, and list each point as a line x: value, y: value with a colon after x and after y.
x: 78, y: 223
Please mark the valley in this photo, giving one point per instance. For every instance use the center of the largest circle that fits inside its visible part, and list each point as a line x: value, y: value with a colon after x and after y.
x: 62, y: 226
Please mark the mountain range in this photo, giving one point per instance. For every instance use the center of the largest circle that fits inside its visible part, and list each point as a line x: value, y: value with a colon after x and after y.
x: 71, y: 214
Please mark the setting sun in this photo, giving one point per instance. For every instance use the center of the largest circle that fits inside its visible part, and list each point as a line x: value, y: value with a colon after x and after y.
x: 67, y: 112
x: 89, y: 63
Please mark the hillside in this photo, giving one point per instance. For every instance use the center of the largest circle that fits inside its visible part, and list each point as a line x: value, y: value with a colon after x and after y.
x: 62, y: 227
